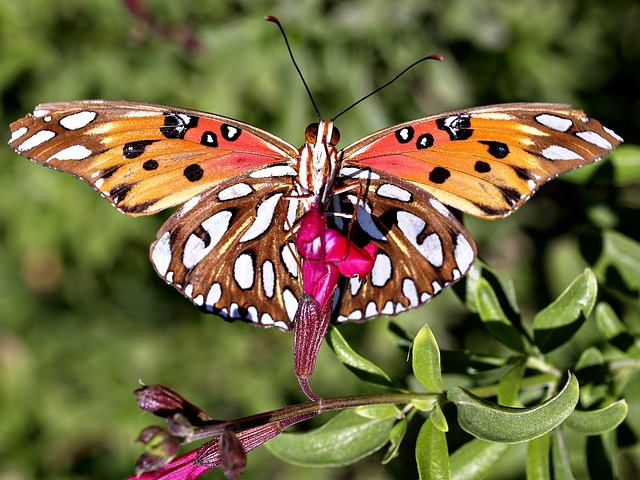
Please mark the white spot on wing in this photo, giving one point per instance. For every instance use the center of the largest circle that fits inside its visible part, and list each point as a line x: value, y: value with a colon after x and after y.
x: 214, y: 295
x: 440, y: 207
x: 195, y: 248
x: 354, y: 172
x: 354, y: 285
x: 363, y: 216
x: 394, y: 192
x: 409, y: 290
x: 266, y: 319
x: 612, y: 133
x: 188, y: 291
x: 289, y: 259
x: 290, y: 303
x: 554, y: 122
x: 199, y: 300
x: 355, y: 315
x: 40, y: 113
x: 463, y: 253
x: 238, y: 190
x: 243, y: 271
x: 371, y: 310
x: 161, y: 254
x: 556, y: 152
x: 37, y: 139
x: 264, y: 218
x: 387, y: 309
x: 595, y: 139
x: 268, y: 278
x: 382, y: 270
x: 431, y: 248
x: 74, y: 152
x: 192, y: 202
x: 78, y: 120
x: 18, y: 133
x: 274, y: 171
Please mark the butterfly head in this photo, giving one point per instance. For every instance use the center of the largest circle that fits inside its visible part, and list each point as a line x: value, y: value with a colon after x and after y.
x: 319, y: 159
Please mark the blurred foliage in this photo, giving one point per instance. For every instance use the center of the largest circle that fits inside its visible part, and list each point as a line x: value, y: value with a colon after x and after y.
x: 82, y: 315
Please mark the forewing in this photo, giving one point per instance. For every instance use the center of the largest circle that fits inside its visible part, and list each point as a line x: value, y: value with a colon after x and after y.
x: 485, y: 161
x: 230, y: 250
x: 422, y: 248
x: 141, y: 157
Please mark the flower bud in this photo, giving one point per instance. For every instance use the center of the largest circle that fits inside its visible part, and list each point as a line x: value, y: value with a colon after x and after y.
x: 233, y: 458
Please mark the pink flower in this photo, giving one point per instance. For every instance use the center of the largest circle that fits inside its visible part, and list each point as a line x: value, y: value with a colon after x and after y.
x: 326, y: 253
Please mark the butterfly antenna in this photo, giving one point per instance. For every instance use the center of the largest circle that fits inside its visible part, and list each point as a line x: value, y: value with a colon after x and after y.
x: 269, y: 18
x: 428, y: 57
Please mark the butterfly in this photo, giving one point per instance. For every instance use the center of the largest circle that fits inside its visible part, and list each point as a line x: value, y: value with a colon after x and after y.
x: 230, y: 248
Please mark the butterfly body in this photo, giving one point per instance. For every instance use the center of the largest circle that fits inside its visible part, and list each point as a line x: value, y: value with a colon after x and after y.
x: 231, y: 248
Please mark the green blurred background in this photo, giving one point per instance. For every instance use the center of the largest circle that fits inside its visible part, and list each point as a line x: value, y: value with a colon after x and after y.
x: 83, y: 317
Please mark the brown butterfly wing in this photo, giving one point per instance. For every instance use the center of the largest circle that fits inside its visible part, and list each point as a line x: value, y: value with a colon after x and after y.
x: 142, y: 157
x: 422, y: 247
x: 485, y: 161
x: 230, y: 250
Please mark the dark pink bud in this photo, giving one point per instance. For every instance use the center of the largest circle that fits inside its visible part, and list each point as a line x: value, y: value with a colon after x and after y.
x: 309, y: 328
x: 165, y: 402
x: 160, y: 448
x: 233, y: 458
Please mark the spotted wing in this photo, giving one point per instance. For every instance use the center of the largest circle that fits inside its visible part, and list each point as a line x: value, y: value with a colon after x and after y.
x: 144, y: 158
x: 230, y: 250
x: 422, y: 248
x: 485, y: 161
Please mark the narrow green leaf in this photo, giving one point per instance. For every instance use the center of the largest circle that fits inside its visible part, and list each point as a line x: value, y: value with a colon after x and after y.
x: 509, y: 385
x: 396, y: 435
x: 597, y: 422
x: 438, y: 419
x: 363, y: 368
x: 494, y: 318
x: 558, y: 322
x: 612, y: 328
x: 496, y: 423
x: 560, y: 457
x: 425, y: 358
x: 477, y: 459
x: 432, y: 454
x: 343, y: 440
x: 538, y: 458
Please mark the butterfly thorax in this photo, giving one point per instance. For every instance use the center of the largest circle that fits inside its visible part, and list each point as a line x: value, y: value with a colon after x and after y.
x: 318, y: 160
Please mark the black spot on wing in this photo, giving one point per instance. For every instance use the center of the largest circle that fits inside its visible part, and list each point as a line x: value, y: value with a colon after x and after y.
x: 439, y: 175
x: 176, y: 124
x: 496, y: 149
x: 135, y: 149
x: 193, y: 172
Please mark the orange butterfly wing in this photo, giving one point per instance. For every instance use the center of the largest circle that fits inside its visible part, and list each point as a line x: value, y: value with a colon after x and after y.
x: 144, y: 158
x: 485, y: 161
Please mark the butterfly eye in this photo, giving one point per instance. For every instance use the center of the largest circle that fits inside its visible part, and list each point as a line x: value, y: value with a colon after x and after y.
x: 311, y: 133
x: 335, y: 137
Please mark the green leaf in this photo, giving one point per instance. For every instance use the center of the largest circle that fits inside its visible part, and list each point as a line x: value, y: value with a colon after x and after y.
x: 438, y: 419
x: 343, y: 440
x: 432, y: 454
x: 494, y: 318
x: 560, y: 457
x: 497, y: 279
x: 425, y: 358
x: 592, y: 373
x: 477, y: 459
x: 363, y: 368
x: 626, y: 165
x: 613, y: 329
x: 538, y: 465
x: 559, y: 321
x: 496, y: 423
x: 396, y: 435
x: 509, y: 385
x: 623, y: 254
x: 597, y: 422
